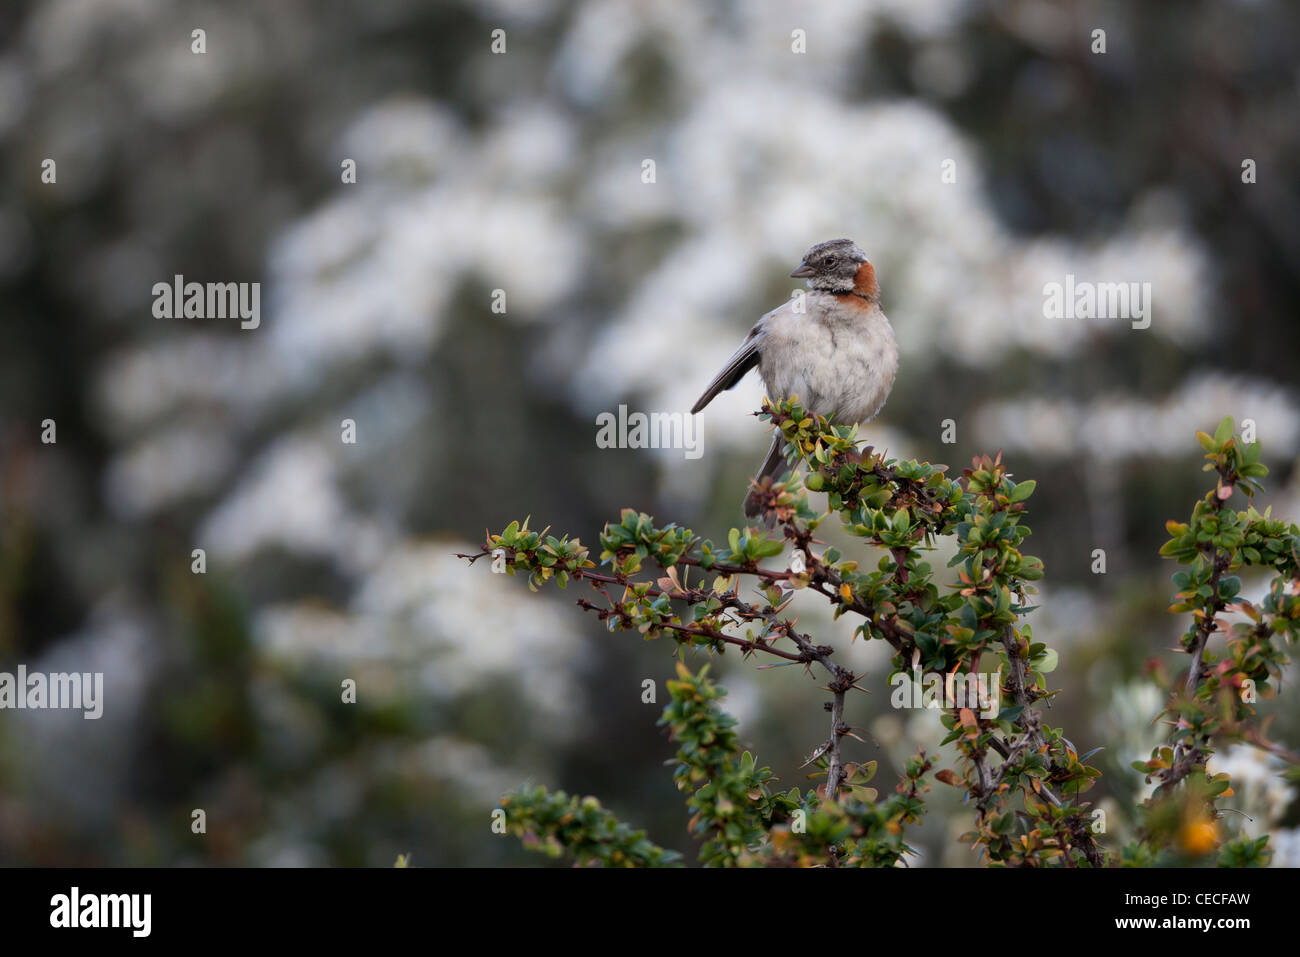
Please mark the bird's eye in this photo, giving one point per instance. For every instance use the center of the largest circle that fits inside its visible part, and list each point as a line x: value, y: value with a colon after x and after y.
x: 831, y: 262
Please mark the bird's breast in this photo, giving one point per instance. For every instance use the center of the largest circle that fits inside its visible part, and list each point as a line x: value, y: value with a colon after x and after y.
x: 839, y: 358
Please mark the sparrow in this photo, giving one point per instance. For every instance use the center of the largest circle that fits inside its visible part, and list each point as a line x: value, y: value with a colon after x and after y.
x: 835, y: 350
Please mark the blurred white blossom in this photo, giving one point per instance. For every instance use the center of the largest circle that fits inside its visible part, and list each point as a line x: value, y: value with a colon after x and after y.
x: 1259, y: 791
x: 418, y: 614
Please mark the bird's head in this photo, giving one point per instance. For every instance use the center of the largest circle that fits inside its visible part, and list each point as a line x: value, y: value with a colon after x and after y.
x: 831, y: 266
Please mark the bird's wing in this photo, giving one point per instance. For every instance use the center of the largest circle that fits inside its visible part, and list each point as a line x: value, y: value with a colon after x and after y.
x: 744, y: 359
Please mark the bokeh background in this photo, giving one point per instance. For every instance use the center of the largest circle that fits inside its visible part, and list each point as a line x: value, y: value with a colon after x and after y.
x: 522, y: 171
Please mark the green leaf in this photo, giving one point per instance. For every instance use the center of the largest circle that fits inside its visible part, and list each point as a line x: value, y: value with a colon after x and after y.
x: 1023, y: 491
x: 747, y: 762
x: 1224, y: 431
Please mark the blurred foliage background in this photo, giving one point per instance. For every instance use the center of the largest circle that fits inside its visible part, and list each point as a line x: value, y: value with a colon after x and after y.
x: 521, y: 171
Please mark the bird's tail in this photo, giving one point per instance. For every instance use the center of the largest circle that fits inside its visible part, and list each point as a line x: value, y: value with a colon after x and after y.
x: 773, y: 466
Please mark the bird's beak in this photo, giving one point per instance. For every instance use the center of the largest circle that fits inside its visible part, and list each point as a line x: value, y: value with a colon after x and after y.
x: 803, y: 272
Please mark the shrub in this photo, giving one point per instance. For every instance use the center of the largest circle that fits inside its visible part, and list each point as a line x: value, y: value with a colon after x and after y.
x: 1024, y: 780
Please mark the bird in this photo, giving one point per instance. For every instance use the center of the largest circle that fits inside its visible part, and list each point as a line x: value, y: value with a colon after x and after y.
x: 834, y: 348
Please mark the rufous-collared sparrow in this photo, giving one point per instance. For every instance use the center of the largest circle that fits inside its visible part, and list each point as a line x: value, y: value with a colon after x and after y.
x: 837, y: 353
